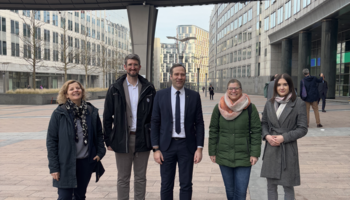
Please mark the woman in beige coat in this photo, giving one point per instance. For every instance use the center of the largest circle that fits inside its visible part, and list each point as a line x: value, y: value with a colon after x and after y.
x: 283, y: 122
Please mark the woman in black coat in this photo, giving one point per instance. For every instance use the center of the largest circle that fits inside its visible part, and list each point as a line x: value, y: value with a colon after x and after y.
x: 74, y: 142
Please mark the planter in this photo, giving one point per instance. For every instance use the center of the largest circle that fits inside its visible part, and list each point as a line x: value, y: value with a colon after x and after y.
x: 40, y: 99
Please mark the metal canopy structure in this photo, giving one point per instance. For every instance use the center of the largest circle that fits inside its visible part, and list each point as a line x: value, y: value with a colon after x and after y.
x: 99, y: 4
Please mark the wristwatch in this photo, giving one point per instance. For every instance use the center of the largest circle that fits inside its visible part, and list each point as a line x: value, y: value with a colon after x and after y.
x: 156, y: 149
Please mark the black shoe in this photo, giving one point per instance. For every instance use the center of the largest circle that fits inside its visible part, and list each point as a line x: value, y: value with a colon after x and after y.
x: 319, y: 125
x: 323, y: 111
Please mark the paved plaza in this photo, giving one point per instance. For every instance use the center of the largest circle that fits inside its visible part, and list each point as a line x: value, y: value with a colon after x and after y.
x: 24, y: 174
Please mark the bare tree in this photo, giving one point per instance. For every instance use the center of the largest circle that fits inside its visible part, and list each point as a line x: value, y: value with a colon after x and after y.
x: 33, y: 42
x: 103, y: 63
x: 66, y: 47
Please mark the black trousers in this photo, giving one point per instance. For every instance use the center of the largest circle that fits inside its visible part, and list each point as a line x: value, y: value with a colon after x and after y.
x: 323, y: 97
x: 177, y: 153
x: 83, y: 178
x: 211, y: 96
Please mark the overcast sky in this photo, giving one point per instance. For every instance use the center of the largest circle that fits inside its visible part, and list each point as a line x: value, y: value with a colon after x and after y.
x: 169, y: 18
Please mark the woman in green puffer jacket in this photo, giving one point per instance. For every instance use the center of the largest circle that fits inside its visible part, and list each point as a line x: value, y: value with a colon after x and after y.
x: 230, y: 143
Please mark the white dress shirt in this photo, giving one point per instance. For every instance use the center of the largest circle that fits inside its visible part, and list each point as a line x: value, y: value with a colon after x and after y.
x: 134, y: 98
x: 182, y: 111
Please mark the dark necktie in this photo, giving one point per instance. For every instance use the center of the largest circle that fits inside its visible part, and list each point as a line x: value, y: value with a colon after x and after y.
x: 177, y: 113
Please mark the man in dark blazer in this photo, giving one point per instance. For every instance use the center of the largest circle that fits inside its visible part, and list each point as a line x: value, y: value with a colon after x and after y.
x: 177, y: 133
x: 322, y: 91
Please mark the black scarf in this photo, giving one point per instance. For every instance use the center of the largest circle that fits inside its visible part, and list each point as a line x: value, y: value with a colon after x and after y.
x: 79, y: 112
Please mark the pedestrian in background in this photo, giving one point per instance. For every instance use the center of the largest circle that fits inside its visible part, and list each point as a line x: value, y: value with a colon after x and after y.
x: 127, y: 123
x: 283, y: 123
x: 270, y: 87
x: 311, y: 86
x: 322, y: 90
x: 211, y: 92
x: 203, y: 88
x: 74, y: 142
x: 235, y: 139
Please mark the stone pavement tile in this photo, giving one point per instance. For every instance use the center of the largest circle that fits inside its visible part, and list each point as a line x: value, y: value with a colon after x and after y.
x: 24, y: 198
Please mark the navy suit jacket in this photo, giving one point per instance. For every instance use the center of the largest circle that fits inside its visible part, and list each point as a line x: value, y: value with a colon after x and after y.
x: 162, y: 120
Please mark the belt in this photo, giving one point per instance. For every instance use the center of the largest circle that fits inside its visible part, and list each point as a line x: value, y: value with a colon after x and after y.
x: 178, y: 138
x: 132, y: 133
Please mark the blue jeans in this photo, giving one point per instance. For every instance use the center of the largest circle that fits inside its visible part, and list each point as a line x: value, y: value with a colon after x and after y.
x: 236, y: 181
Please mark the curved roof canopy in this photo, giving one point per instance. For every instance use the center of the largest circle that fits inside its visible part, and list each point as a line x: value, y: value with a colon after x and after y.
x: 98, y: 4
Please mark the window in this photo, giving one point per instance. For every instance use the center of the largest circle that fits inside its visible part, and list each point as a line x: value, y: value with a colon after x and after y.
x: 265, y: 52
x: 257, y: 49
x: 239, y: 72
x: 244, y: 36
x: 26, y: 30
x: 240, y: 21
x: 93, y: 33
x: 14, y: 49
x: 77, y: 59
x: 76, y: 42
x: 233, y: 72
x: 37, y: 15
x: 55, y: 19
x: 76, y: 28
x: 55, y: 55
x: 273, y: 19
x: 250, y: 14
x: 98, y: 35
x: 14, y: 27
x: 82, y: 29
x: 249, y: 31
x: 245, y: 17
x: 306, y: 3
x: 249, y: 52
x: 93, y: 21
x: 280, y: 15
x: 288, y: 10
x: 46, y: 35
x: 63, y: 22
x: 82, y: 15
x: 239, y: 38
x: 3, y: 24
x: 267, y: 4
x: 296, y: 6
x: 88, y: 18
x: 258, y: 8
x: 15, y: 11
x: 46, y: 54
x: 46, y: 16
x: 37, y: 53
x: 76, y: 14
x: 37, y: 33
x: 248, y: 71
x: 98, y: 22
x: 70, y: 41
x: 243, y: 71
x: 239, y: 55
x: 88, y: 31
x: 26, y: 13
x: 244, y: 51
x: 266, y: 24
x: 27, y: 51
x: 55, y: 37
x: 3, y: 48
x: 70, y: 25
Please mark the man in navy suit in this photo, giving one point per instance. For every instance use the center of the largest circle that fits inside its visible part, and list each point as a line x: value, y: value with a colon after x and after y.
x: 177, y: 133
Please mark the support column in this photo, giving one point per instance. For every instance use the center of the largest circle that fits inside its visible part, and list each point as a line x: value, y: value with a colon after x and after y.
x: 304, y: 55
x: 286, y: 64
x: 329, y: 54
x: 142, y: 21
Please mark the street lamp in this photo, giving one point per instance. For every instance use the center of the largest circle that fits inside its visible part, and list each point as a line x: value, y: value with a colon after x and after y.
x: 4, y: 67
x: 177, y: 45
x: 198, y: 68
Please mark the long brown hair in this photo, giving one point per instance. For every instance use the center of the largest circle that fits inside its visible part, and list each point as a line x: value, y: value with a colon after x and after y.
x: 290, y: 84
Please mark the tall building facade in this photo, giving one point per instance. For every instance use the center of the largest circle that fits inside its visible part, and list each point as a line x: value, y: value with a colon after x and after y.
x: 83, y: 42
x: 290, y: 35
x: 169, y: 56
x: 195, y: 55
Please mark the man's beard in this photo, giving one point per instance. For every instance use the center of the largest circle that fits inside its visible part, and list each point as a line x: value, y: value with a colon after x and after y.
x: 133, y: 75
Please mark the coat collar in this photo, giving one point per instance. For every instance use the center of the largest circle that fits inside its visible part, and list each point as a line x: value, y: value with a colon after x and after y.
x: 289, y: 107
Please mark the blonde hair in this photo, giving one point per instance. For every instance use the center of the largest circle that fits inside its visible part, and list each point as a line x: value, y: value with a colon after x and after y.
x: 61, y: 97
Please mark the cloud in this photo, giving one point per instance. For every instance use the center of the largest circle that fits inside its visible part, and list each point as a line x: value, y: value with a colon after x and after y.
x: 170, y: 17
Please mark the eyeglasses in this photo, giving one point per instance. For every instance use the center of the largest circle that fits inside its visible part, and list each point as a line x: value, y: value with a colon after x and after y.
x: 234, y: 88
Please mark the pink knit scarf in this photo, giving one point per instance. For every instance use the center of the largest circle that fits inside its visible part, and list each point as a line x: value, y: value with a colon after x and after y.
x: 230, y: 110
